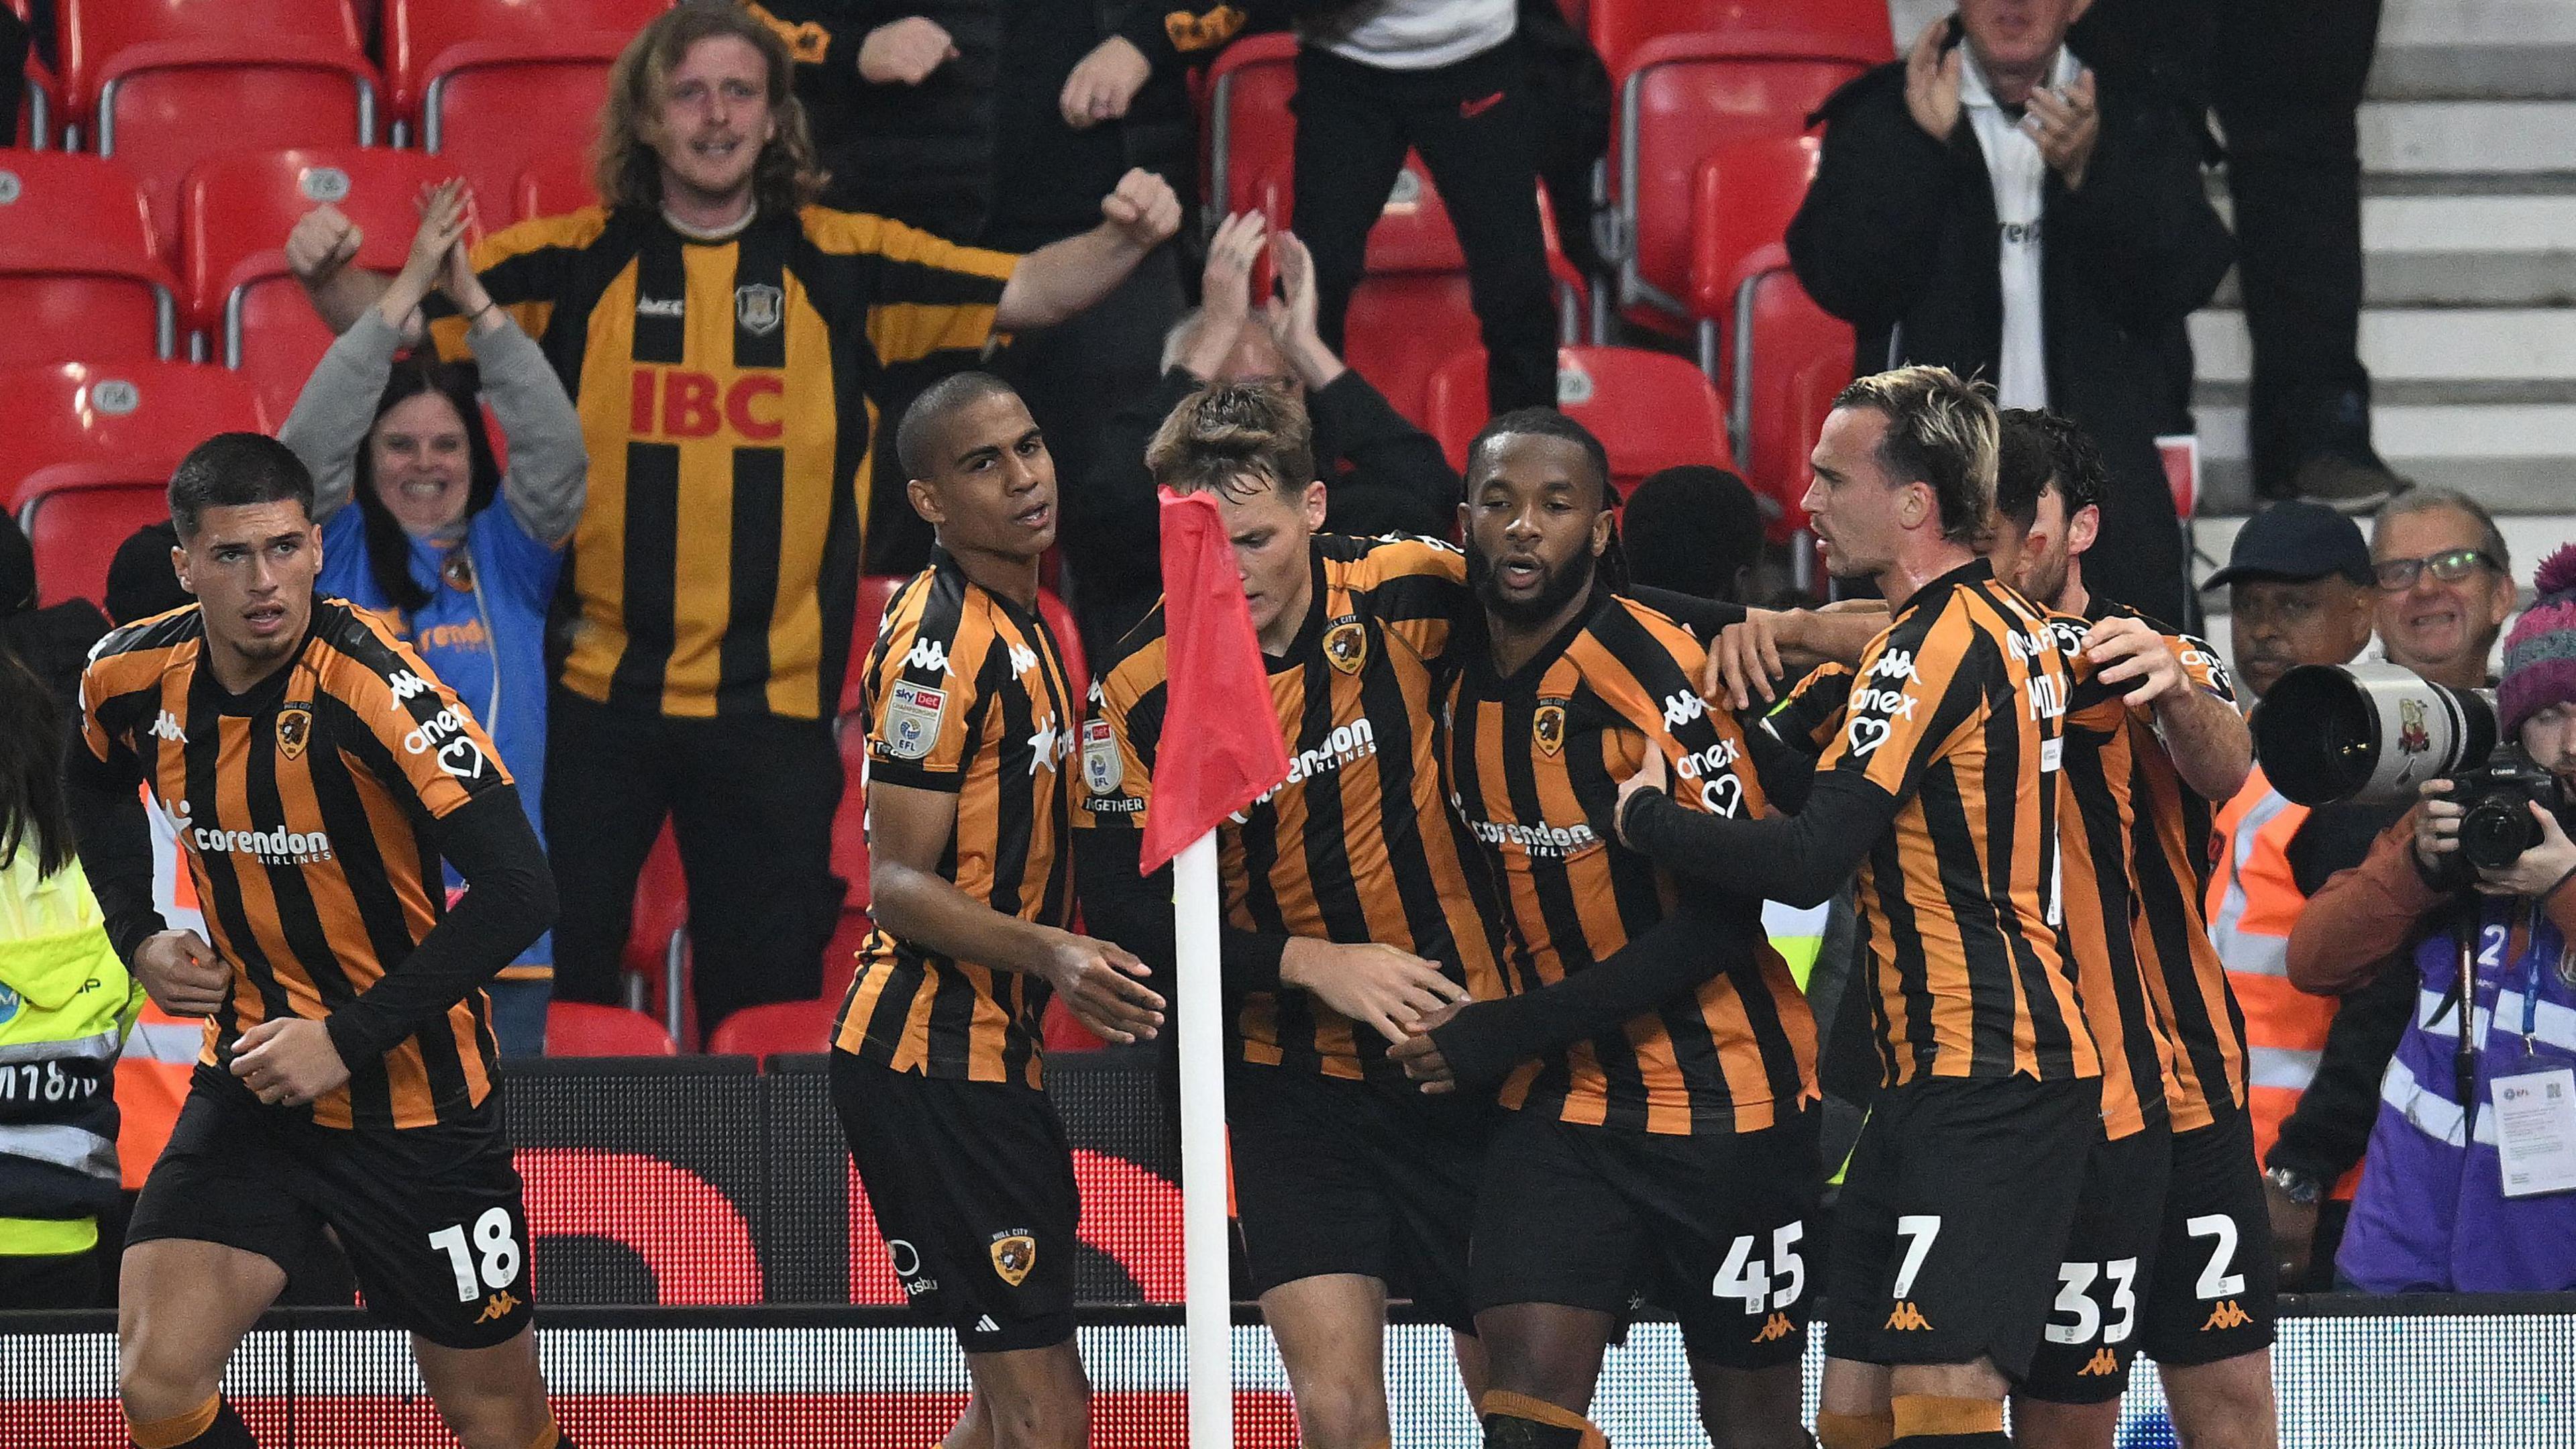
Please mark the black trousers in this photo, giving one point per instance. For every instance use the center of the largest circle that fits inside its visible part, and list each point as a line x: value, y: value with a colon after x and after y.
x: 751, y: 800
x: 1472, y: 122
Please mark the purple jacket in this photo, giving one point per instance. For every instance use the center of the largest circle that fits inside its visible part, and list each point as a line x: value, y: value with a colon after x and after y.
x: 2431, y: 1215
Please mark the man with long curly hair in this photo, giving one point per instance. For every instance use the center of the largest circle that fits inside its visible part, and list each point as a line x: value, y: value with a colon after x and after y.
x: 730, y: 347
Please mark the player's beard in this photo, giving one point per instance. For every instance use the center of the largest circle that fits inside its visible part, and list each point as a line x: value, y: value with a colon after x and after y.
x: 1561, y: 586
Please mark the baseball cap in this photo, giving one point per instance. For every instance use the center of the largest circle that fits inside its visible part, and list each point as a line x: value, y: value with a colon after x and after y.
x: 2293, y: 542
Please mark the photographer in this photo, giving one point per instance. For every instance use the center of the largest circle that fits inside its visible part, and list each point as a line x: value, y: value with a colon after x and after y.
x: 2477, y: 876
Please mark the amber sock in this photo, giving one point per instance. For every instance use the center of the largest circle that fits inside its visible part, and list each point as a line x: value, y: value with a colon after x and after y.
x: 210, y: 1425
x: 1930, y: 1421
x: 1517, y: 1421
x: 1856, y: 1431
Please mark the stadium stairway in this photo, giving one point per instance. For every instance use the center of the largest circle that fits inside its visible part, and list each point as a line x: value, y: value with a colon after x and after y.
x: 2468, y: 147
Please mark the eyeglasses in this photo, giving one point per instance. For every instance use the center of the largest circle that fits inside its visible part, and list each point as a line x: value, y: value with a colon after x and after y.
x: 2399, y: 574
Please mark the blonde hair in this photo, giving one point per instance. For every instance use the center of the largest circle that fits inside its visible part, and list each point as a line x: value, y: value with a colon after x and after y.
x: 1235, y: 439
x: 624, y: 166
x: 1942, y: 431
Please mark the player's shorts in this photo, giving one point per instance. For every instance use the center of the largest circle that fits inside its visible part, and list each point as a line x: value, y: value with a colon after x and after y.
x: 1712, y: 1227
x: 429, y: 1217
x: 972, y: 1186
x: 1953, y: 1217
x: 1373, y: 1178
x: 2093, y: 1324
x: 2214, y: 1293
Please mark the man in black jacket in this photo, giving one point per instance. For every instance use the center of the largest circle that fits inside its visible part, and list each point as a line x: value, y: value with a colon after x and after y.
x: 1383, y: 474
x: 1943, y: 174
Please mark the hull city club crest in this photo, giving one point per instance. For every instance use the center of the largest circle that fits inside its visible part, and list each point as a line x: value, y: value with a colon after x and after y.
x: 1015, y: 1255
x: 1547, y: 726
x: 759, y: 307
x: 294, y: 728
x: 1346, y: 645
x: 912, y: 719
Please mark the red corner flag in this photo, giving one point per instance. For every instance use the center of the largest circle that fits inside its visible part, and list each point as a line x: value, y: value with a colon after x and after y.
x: 1221, y: 744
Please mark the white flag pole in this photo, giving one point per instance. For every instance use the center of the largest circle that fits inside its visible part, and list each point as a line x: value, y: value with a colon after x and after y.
x: 1199, y: 1004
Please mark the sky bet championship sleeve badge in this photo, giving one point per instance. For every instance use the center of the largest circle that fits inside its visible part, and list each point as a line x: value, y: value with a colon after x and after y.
x: 912, y: 719
x: 1102, y: 771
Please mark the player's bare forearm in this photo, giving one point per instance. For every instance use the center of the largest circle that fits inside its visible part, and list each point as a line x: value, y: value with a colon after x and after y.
x: 927, y: 910
x: 2208, y: 742
x: 344, y: 296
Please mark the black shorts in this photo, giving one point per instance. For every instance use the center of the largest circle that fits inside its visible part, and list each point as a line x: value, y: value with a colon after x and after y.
x: 2092, y: 1334
x: 2214, y: 1293
x: 1953, y: 1217
x: 972, y: 1186
x: 1711, y: 1227
x: 429, y: 1217
x: 1373, y: 1178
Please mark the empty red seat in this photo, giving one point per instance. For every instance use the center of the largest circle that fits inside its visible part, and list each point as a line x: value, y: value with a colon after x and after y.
x: 141, y: 416
x: 164, y: 84
x: 1680, y: 97
x: 841, y: 957
x: 1650, y: 410
x: 1618, y: 27
x: 556, y: 185
x: 1248, y: 130
x: 776, y: 1027
x: 1802, y: 357
x: 1060, y: 1031
x: 657, y: 937
x: 875, y: 592
x: 587, y: 1029
x: 75, y: 515
x: 427, y: 39
x: 81, y: 274
x: 498, y: 85
x: 235, y: 213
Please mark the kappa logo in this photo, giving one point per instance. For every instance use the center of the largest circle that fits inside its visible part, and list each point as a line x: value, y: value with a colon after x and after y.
x: 2102, y: 1364
x: 1015, y: 1256
x: 2228, y: 1314
x: 1907, y: 1318
x: 167, y: 727
x: 671, y: 307
x: 1894, y: 664
x: 927, y: 654
x: 1775, y: 1328
x: 759, y: 307
x: 1681, y: 707
x: 499, y: 1306
x: 407, y: 685
x: 1023, y: 659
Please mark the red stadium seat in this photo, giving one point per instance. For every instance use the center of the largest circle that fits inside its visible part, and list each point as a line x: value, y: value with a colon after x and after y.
x: 657, y: 939
x: 420, y: 34
x: 1651, y: 410
x: 586, y: 1029
x: 1741, y: 205
x: 499, y: 85
x: 875, y: 592
x: 850, y: 819
x: 235, y: 212
x: 1680, y: 97
x: 75, y: 515
x: 1249, y: 130
x: 1802, y: 357
x: 841, y: 957
x: 1062, y: 1033
x: 555, y: 185
x: 1618, y: 27
x: 164, y: 84
x: 140, y: 416
x: 1068, y: 643
x: 81, y: 274
x: 777, y: 1028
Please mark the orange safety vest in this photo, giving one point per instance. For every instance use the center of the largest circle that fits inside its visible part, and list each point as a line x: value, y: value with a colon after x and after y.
x: 151, y: 1085
x: 2253, y: 904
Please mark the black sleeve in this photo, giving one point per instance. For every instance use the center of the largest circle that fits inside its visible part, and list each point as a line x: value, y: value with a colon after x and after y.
x: 1383, y: 449
x: 1784, y: 766
x: 1702, y: 617
x: 1706, y: 935
x: 2153, y: 247
x: 1866, y: 240
x: 1801, y: 860
x: 1135, y: 911
x: 2334, y: 838
x: 2325, y: 1134
x: 114, y: 837
x: 509, y: 901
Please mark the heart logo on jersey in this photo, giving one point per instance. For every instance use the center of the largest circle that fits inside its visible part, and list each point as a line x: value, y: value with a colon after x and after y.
x: 1346, y: 645
x: 1547, y: 726
x: 1015, y: 1255
x: 1865, y: 734
x: 294, y: 728
x: 1723, y: 794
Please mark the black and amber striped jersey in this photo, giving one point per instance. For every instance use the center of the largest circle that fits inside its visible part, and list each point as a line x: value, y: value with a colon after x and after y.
x: 729, y: 394
x: 1955, y: 712
x: 2170, y: 863
x: 303, y: 809
x: 1356, y: 844
x: 1533, y: 764
x: 966, y: 693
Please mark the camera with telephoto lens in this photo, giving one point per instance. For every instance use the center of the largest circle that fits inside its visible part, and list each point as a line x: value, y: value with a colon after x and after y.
x: 2496, y: 799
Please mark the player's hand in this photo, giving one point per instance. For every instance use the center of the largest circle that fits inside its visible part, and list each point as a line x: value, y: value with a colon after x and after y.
x: 182, y: 974
x: 1378, y: 985
x: 2065, y: 123
x: 1104, y: 84
x: 2437, y: 825
x: 1651, y: 775
x: 2536, y: 871
x: 1932, y: 81
x: 1421, y: 1055
x: 1144, y: 211
x: 288, y: 1061
x: 1103, y: 987
x: 2294, y: 1235
x: 1745, y: 659
x: 2125, y: 649
x: 321, y: 243
x: 905, y: 52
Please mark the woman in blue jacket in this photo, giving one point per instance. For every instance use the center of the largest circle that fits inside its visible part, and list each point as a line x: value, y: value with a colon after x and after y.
x: 462, y: 557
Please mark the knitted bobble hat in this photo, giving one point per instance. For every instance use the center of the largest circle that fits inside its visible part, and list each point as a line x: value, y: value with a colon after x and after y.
x: 2540, y: 653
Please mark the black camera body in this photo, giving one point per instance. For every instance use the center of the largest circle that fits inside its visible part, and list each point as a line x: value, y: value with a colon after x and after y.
x: 2496, y: 797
